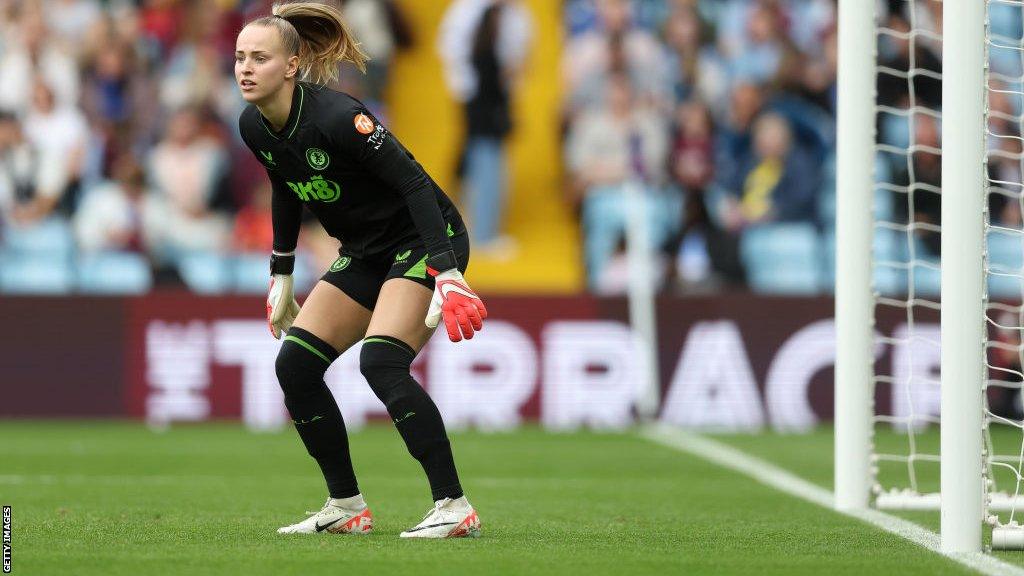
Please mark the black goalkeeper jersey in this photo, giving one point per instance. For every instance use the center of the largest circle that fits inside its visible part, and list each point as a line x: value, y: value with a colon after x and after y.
x: 367, y: 190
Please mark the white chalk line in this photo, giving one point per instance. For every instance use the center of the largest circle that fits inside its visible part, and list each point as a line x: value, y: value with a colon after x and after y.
x: 784, y: 481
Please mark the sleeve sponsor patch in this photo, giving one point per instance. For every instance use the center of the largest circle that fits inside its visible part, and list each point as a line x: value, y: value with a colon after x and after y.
x: 364, y: 124
x: 377, y: 138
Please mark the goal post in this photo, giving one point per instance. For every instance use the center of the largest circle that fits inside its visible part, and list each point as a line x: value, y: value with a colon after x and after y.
x: 887, y: 264
x: 963, y: 249
x: 853, y: 304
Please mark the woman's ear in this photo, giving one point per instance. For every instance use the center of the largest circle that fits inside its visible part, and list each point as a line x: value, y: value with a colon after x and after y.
x: 293, y: 67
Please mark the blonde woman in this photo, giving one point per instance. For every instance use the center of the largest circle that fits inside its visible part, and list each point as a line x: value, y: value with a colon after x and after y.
x: 398, y: 274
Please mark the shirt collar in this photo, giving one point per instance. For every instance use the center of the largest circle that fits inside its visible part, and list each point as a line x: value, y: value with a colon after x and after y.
x: 294, y: 115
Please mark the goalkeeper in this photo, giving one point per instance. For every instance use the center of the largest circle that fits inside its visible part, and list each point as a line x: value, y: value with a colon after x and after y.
x: 399, y: 271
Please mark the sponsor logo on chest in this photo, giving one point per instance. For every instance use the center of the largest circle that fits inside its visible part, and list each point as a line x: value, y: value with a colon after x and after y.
x: 316, y: 189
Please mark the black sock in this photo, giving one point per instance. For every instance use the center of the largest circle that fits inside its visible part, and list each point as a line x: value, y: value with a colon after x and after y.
x: 301, y: 364
x: 384, y: 361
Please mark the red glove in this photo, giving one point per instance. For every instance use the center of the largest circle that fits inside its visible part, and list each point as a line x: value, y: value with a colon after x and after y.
x: 461, y: 308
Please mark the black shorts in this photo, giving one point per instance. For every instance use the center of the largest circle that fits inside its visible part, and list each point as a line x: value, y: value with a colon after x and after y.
x: 361, y: 278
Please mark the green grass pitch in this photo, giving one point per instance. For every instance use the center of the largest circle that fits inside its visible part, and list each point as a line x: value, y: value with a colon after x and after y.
x: 116, y: 498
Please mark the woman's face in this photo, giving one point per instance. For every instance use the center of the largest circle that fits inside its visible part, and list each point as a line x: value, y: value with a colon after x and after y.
x: 261, y: 65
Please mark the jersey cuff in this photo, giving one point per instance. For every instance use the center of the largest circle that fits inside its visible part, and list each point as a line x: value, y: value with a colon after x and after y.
x: 443, y: 261
x: 280, y: 264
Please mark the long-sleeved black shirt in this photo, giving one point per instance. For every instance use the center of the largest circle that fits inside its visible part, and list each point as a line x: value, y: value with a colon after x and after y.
x: 366, y: 189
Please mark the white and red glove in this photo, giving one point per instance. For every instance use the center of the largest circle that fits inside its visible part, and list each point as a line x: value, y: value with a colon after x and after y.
x: 463, y: 311
x: 282, y: 309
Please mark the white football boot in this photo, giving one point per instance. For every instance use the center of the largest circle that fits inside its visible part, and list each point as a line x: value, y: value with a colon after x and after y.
x: 447, y: 519
x: 338, y: 516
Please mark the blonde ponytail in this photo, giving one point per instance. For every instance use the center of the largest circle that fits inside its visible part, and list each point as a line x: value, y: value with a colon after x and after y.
x: 318, y: 35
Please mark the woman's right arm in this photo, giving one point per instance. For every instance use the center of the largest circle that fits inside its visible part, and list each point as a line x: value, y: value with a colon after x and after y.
x: 286, y: 213
x: 285, y: 206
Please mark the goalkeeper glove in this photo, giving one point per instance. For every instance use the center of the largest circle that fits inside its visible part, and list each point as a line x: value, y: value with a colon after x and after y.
x: 282, y: 309
x: 462, y: 310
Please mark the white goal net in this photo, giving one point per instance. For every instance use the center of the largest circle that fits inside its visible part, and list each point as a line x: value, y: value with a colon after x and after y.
x: 946, y: 153
x: 905, y: 262
x: 907, y: 242
x: 1004, y: 267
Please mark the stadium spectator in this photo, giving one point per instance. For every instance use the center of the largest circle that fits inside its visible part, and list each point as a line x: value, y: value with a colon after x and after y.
x: 695, y: 67
x: 693, y: 163
x: 1004, y: 165
x: 616, y: 45
x: 58, y: 132
x: 253, y: 230
x: 621, y: 143
x: 484, y: 43
x: 125, y: 65
x: 185, y: 168
x: 31, y: 53
x: 382, y: 30
x: 924, y: 170
x: 817, y: 74
x: 28, y: 191
x: 31, y: 180
x: 160, y: 22
x: 8, y: 23
x: 194, y: 73
x: 894, y: 52
x: 692, y: 167
x: 735, y: 133
x: 118, y: 214
x: 756, y: 59
x: 70, y: 20
x: 811, y: 23
x: 118, y: 95
x: 775, y: 182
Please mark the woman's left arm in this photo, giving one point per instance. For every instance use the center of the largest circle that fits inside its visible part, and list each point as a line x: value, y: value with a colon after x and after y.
x: 379, y: 152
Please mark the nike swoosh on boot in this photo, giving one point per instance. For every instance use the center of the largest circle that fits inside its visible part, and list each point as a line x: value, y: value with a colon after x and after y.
x: 431, y: 526
x: 320, y: 528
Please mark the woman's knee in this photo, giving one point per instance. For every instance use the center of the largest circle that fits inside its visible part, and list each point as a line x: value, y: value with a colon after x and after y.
x: 302, y: 361
x: 384, y: 362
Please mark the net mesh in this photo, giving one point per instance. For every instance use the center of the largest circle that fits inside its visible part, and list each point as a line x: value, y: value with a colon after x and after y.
x: 906, y: 269
x: 1004, y: 265
x: 905, y: 252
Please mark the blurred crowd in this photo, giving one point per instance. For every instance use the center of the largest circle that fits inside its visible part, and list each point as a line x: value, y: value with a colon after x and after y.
x: 720, y: 113
x: 119, y: 146
x: 120, y: 163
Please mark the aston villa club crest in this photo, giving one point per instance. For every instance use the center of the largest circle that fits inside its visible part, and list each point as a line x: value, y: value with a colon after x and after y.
x: 317, y: 158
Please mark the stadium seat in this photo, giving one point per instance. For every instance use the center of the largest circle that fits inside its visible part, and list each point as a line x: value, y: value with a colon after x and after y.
x: 927, y: 282
x: 206, y: 272
x: 828, y: 258
x: 251, y: 273
x: 31, y: 274
x: 307, y: 273
x: 114, y: 273
x: 1005, y: 254
x: 889, y: 246
x: 895, y: 129
x: 782, y: 258
x: 50, y: 238
x: 884, y: 202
